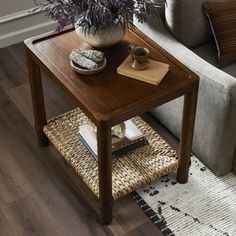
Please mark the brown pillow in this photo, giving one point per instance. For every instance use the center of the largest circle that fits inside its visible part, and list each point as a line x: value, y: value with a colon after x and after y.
x: 222, y: 17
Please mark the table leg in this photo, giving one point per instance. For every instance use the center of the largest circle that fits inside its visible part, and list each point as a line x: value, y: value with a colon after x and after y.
x: 105, y: 173
x: 37, y: 99
x: 188, y: 120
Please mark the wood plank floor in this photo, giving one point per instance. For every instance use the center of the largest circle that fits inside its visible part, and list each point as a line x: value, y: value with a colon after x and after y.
x: 35, y: 197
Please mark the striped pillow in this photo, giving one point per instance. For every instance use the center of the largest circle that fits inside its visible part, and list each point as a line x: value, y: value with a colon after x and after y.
x: 222, y: 17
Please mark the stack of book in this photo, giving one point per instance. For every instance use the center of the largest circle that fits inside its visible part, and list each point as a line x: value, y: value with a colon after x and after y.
x: 133, y: 139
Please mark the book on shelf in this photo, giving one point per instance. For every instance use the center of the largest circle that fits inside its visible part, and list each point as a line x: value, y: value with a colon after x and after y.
x: 154, y: 73
x: 133, y: 139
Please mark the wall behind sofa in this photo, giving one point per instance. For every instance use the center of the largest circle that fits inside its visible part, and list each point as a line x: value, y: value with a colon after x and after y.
x: 17, y: 22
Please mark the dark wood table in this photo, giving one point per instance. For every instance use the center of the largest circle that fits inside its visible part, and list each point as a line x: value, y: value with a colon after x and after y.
x: 108, y: 98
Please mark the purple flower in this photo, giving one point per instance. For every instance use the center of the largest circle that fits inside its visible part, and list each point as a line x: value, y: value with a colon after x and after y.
x: 96, y: 13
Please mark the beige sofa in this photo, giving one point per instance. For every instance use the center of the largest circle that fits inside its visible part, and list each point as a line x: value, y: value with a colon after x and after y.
x: 184, y: 31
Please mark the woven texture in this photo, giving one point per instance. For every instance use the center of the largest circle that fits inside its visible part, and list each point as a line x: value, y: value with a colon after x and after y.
x: 222, y: 17
x: 129, y: 172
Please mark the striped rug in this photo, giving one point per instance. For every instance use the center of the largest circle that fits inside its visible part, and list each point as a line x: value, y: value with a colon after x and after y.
x: 205, y: 206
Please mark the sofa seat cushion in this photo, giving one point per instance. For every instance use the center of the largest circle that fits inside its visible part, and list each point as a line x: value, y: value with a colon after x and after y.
x: 209, y: 53
x: 187, y: 22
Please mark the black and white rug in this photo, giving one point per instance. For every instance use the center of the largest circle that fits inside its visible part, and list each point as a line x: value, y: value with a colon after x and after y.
x: 205, y: 206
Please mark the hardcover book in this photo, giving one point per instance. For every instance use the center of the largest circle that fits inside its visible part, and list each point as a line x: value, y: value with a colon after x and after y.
x: 153, y: 74
x: 132, y: 140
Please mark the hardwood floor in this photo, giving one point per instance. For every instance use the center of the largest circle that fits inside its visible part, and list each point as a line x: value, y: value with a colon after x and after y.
x: 35, y: 197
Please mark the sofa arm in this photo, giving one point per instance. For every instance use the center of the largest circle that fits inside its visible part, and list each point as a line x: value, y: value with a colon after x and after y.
x: 215, y: 129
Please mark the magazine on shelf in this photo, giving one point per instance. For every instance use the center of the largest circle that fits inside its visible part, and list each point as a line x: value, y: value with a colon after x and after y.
x: 133, y: 139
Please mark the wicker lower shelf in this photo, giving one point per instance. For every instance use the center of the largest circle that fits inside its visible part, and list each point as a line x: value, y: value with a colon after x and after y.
x: 129, y: 172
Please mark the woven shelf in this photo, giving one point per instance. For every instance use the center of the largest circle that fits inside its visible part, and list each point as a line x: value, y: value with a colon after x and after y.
x: 129, y: 172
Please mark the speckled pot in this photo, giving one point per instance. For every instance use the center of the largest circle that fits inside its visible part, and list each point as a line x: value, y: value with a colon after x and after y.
x: 105, y: 37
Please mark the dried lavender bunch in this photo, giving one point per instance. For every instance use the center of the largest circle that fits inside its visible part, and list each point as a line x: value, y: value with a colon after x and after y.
x: 96, y: 13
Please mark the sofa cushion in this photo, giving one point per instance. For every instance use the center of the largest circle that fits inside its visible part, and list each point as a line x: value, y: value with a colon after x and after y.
x: 222, y: 17
x: 187, y: 22
x: 209, y: 53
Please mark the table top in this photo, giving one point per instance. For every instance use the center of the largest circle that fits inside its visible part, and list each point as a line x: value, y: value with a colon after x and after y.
x: 108, y: 96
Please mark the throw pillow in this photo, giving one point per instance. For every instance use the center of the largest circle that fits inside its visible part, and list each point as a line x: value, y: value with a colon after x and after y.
x: 187, y: 22
x: 222, y: 18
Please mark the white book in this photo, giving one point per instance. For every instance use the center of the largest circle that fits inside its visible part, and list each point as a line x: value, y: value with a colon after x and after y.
x: 89, y: 137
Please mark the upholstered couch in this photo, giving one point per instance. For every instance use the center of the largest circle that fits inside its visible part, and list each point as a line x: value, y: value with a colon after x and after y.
x: 184, y: 31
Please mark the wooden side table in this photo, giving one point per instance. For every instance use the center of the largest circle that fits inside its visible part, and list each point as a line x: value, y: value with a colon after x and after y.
x: 108, y: 99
